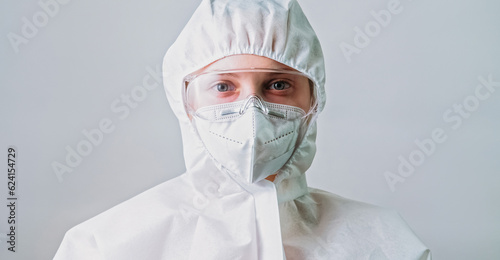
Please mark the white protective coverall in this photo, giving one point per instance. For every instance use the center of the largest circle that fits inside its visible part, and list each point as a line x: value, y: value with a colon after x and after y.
x: 207, y: 214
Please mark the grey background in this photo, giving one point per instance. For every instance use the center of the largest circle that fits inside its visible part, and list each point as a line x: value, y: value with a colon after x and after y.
x: 428, y: 58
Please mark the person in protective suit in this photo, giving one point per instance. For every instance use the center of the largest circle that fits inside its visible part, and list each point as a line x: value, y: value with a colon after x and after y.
x: 246, y: 80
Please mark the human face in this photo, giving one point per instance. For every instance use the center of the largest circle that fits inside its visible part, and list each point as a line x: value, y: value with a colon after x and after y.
x: 237, y: 77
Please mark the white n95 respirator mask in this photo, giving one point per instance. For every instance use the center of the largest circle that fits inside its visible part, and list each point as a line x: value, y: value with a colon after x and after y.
x: 252, y: 139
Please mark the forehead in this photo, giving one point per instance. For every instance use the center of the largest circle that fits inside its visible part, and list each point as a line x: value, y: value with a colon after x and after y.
x: 244, y: 61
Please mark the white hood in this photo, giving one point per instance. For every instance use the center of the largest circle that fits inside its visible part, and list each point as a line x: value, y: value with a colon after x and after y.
x: 277, y: 30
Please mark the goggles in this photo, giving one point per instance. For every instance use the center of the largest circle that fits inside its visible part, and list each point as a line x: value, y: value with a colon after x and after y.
x: 278, y: 86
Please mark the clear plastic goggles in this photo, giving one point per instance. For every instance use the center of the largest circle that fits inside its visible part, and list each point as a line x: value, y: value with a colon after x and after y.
x: 286, y: 87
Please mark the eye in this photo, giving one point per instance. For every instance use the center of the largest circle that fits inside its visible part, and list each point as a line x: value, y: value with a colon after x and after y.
x: 222, y: 87
x: 279, y: 85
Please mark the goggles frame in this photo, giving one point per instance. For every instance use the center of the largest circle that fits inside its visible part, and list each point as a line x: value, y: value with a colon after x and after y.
x: 191, y: 77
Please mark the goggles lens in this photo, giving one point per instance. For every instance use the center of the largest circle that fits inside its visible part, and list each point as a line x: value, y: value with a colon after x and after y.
x: 286, y: 87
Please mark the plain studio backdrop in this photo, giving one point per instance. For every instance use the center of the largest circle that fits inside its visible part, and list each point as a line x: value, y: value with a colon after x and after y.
x: 411, y: 122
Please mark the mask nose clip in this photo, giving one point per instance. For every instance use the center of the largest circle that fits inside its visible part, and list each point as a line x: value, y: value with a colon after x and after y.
x: 254, y: 101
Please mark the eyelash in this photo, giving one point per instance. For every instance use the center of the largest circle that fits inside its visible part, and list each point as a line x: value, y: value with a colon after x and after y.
x: 229, y: 85
x: 288, y: 84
